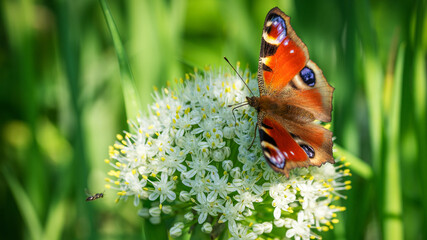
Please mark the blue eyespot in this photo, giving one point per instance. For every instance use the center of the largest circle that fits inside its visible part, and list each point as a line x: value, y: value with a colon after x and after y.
x: 308, y: 76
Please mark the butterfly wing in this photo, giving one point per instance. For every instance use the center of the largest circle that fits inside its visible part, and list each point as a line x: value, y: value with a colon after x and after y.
x: 288, y: 137
x: 283, y: 55
x: 310, y: 91
x: 279, y: 147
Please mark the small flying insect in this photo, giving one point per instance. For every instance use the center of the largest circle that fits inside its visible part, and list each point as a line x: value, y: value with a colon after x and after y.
x: 93, y: 197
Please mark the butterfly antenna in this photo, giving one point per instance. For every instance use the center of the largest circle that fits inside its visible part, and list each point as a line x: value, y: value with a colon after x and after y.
x: 239, y: 75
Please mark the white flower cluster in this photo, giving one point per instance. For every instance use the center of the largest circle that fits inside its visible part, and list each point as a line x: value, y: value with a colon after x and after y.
x: 189, y: 159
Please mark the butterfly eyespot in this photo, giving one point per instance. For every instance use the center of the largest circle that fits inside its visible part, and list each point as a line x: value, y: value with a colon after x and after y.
x: 308, y: 150
x: 308, y: 76
x: 276, y: 28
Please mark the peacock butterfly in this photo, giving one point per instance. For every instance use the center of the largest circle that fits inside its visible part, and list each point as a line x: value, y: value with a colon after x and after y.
x: 293, y: 94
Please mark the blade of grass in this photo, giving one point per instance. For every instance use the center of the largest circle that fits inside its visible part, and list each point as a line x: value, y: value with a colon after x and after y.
x: 392, y: 208
x: 420, y: 102
x: 357, y: 165
x: 25, y: 206
x: 130, y: 94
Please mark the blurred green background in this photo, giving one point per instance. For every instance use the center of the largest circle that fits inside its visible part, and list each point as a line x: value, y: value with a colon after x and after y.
x: 62, y: 103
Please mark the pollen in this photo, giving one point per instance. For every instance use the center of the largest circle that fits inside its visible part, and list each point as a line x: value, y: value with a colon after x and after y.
x: 166, y: 91
x: 168, y: 106
x: 122, y: 193
x: 116, y: 182
x: 107, y: 160
x: 119, y: 137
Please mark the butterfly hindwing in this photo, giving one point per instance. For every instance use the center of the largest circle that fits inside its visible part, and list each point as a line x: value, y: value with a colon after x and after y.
x: 280, y: 149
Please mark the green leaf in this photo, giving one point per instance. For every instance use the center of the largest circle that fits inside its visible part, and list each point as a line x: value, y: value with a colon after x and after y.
x: 130, y: 93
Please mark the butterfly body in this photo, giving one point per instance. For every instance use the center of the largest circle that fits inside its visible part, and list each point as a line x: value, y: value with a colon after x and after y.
x: 293, y: 94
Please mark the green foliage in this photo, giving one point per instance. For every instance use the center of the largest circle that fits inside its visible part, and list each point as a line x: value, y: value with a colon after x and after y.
x: 64, y: 95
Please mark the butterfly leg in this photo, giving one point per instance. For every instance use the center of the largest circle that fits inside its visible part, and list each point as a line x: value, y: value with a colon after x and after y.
x: 253, y: 140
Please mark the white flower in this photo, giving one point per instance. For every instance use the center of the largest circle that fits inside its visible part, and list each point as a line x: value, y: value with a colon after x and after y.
x: 231, y: 214
x: 176, y: 230
x: 167, y: 209
x: 191, y: 145
x: 207, y: 228
x: 164, y: 188
x: 184, y: 196
x: 189, y: 216
x: 199, y: 165
x: 205, y: 208
x: 240, y: 232
x: 246, y: 200
x: 299, y: 229
x: 219, y: 186
x: 155, y: 220
x: 155, y: 211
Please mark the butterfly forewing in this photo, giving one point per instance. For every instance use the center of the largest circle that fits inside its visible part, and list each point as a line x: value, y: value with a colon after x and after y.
x: 282, y: 55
